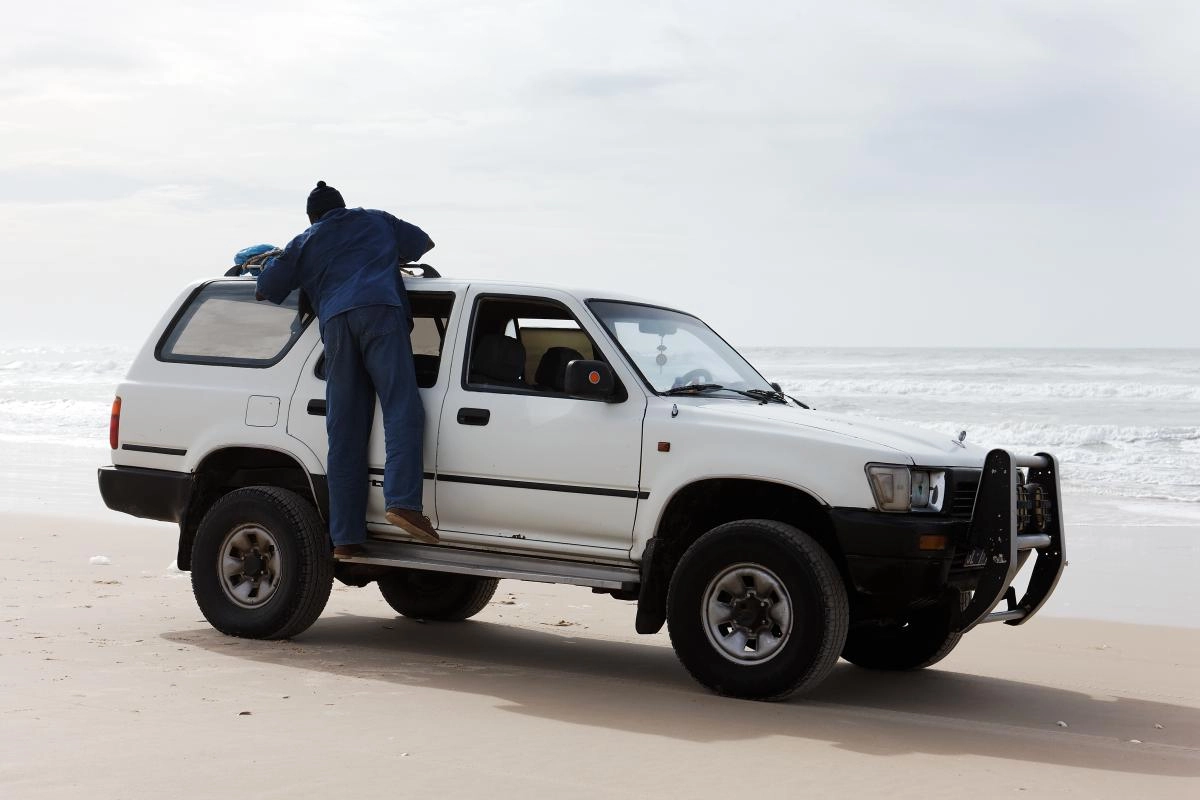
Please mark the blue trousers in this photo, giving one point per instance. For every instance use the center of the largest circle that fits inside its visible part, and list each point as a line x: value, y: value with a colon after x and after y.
x: 368, y: 352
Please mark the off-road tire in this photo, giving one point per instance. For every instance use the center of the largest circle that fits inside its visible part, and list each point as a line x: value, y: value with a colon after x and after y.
x: 303, y: 551
x: 921, y: 641
x: 819, y: 609
x: 436, y: 596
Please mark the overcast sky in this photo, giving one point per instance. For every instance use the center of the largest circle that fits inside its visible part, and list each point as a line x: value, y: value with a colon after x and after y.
x: 900, y: 174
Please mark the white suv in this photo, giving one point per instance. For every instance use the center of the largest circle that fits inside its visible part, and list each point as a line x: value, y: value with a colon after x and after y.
x: 585, y: 438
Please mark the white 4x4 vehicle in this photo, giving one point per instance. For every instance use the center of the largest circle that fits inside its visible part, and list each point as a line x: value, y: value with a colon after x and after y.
x: 582, y: 438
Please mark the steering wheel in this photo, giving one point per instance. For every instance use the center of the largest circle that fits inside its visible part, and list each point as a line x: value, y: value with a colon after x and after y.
x: 698, y: 375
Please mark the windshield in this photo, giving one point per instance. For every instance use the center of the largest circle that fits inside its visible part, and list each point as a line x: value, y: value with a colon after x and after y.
x: 673, y: 350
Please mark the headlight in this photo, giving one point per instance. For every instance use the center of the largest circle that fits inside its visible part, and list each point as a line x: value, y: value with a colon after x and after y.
x: 901, y: 488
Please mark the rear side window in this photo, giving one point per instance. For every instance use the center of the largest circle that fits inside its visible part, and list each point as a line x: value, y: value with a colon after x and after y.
x: 223, y: 324
x: 430, y: 316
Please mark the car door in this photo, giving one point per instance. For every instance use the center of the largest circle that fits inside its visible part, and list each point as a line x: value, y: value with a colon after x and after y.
x: 434, y: 326
x: 520, y: 464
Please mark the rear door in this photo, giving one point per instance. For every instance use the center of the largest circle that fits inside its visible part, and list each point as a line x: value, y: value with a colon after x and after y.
x: 434, y: 325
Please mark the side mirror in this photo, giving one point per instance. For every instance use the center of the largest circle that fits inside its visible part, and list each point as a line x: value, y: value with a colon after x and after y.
x: 590, y: 380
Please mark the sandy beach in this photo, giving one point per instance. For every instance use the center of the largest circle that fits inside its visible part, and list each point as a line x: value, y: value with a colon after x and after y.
x: 113, y: 686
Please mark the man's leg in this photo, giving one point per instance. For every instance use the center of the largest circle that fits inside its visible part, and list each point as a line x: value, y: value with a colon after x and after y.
x: 387, y: 352
x: 349, y: 411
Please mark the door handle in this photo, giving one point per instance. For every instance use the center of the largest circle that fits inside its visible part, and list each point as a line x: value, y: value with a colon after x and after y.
x: 316, y: 408
x: 474, y: 416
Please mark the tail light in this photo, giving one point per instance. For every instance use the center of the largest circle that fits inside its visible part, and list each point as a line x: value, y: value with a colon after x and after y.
x: 114, y: 424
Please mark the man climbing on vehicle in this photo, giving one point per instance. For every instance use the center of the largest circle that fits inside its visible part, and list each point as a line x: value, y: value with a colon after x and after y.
x: 347, y: 263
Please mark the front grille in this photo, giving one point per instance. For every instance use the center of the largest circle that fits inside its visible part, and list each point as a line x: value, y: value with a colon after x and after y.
x: 962, y: 486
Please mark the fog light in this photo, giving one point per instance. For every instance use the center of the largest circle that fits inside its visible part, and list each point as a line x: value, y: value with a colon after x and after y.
x: 931, y: 541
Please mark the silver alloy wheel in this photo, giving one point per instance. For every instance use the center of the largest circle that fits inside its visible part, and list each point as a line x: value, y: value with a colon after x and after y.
x: 249, y: 565
x: 747, y: 613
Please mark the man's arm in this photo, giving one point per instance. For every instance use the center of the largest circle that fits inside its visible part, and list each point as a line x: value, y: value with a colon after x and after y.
x: 280, y: 276
x: 411, y: 241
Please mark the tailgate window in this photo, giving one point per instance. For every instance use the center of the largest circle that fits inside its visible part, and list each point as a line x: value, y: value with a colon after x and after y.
x: 223, y: 324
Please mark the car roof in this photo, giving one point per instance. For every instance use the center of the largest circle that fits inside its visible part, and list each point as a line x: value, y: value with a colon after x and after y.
x: 419, y: 284
x: 447, y: 283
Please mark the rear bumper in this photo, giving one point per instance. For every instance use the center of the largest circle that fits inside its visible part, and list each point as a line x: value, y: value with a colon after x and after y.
x: 148, y: 493
x: 891, y: 573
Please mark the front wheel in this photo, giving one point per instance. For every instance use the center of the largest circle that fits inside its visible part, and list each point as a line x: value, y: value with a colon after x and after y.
x: 260, y: 564
x: 918, y: 642
x: 757, y: 609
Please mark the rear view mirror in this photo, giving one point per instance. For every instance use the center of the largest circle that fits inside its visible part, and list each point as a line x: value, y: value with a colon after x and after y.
x: 590, y: 380
x: 657, y: 327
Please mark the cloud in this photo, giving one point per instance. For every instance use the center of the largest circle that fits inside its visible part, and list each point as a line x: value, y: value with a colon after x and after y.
x: 603, y: 84
x: 860, y: 165
x: 88, y: 57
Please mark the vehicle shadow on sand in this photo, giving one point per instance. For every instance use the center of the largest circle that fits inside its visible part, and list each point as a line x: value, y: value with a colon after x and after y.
x: 641, y: 688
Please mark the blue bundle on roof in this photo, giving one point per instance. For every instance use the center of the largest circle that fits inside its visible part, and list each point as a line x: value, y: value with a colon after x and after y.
x: 247, y: 253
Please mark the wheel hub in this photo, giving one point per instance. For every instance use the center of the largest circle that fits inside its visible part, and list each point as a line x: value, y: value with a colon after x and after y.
x: 750, y: 612
x: 747, y: 613
x: 253, y: 565
x: 250, y: 567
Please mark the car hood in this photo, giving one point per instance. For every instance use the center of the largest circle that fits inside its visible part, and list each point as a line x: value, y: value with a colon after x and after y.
x: 924, y: 448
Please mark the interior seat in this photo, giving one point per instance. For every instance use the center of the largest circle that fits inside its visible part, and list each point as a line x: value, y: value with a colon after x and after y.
x: 551, y: 372
x: 497, y: 360
x: 426, y: 367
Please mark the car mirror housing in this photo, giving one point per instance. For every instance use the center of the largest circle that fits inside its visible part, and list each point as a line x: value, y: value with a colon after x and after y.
x: 590, y: 380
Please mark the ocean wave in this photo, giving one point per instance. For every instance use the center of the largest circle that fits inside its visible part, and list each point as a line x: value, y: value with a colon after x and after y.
x: 1049, y: 434
x: 1014, y: 390
x: 17, y: 372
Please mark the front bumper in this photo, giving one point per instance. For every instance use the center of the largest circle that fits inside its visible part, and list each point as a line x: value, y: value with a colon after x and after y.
x: 1012, y: 517
x: 1011, y: 520
x: 148, y: 493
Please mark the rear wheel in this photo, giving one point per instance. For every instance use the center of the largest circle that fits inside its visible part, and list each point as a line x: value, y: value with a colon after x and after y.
x: 757, y: 609
x: 920, y: 641
x: 260, y: 564
x: 439, y: 596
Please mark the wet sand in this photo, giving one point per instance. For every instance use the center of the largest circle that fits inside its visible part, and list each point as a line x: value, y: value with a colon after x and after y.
x: 112, y: 685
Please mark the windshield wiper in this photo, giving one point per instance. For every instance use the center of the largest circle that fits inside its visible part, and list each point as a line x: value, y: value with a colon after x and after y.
x: 766, y: 394
x: 694, y: 387
x: 763, y: 396
x: 776, y: 395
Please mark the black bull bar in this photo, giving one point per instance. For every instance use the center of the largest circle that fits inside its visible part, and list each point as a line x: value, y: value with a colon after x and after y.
x: 1012, y: 519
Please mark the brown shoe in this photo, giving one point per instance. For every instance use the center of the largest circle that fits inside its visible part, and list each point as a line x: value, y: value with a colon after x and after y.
x: 343, y: 551
x: 414, y: 523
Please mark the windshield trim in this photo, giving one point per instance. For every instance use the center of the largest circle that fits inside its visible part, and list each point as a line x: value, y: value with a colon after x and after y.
x: 633, y: 364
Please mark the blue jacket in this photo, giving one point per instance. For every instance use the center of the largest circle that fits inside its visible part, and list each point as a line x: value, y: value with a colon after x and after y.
x: 347, y: 259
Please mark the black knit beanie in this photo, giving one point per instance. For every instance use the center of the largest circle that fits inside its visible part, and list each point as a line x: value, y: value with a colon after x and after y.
x: 323, y: 198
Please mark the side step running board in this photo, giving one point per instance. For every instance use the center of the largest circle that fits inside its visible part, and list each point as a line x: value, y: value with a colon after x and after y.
x: 439, y: 558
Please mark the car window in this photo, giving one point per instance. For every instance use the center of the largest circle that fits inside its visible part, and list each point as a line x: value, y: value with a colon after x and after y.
x: 431, y: 316
x: 224, y: 325
x: 524, y: 344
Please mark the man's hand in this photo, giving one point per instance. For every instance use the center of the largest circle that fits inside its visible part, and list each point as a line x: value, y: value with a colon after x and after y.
x: 259, y: 296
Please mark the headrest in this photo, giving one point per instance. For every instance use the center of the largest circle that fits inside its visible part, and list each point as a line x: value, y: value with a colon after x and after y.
x: 498, y: 358
x: 552, y: 369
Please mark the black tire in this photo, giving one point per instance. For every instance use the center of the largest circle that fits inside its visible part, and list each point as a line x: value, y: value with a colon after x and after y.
x: 803, y: 653
x: 437, y: 596
x: 921, y: 641
x: 297, y: 547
